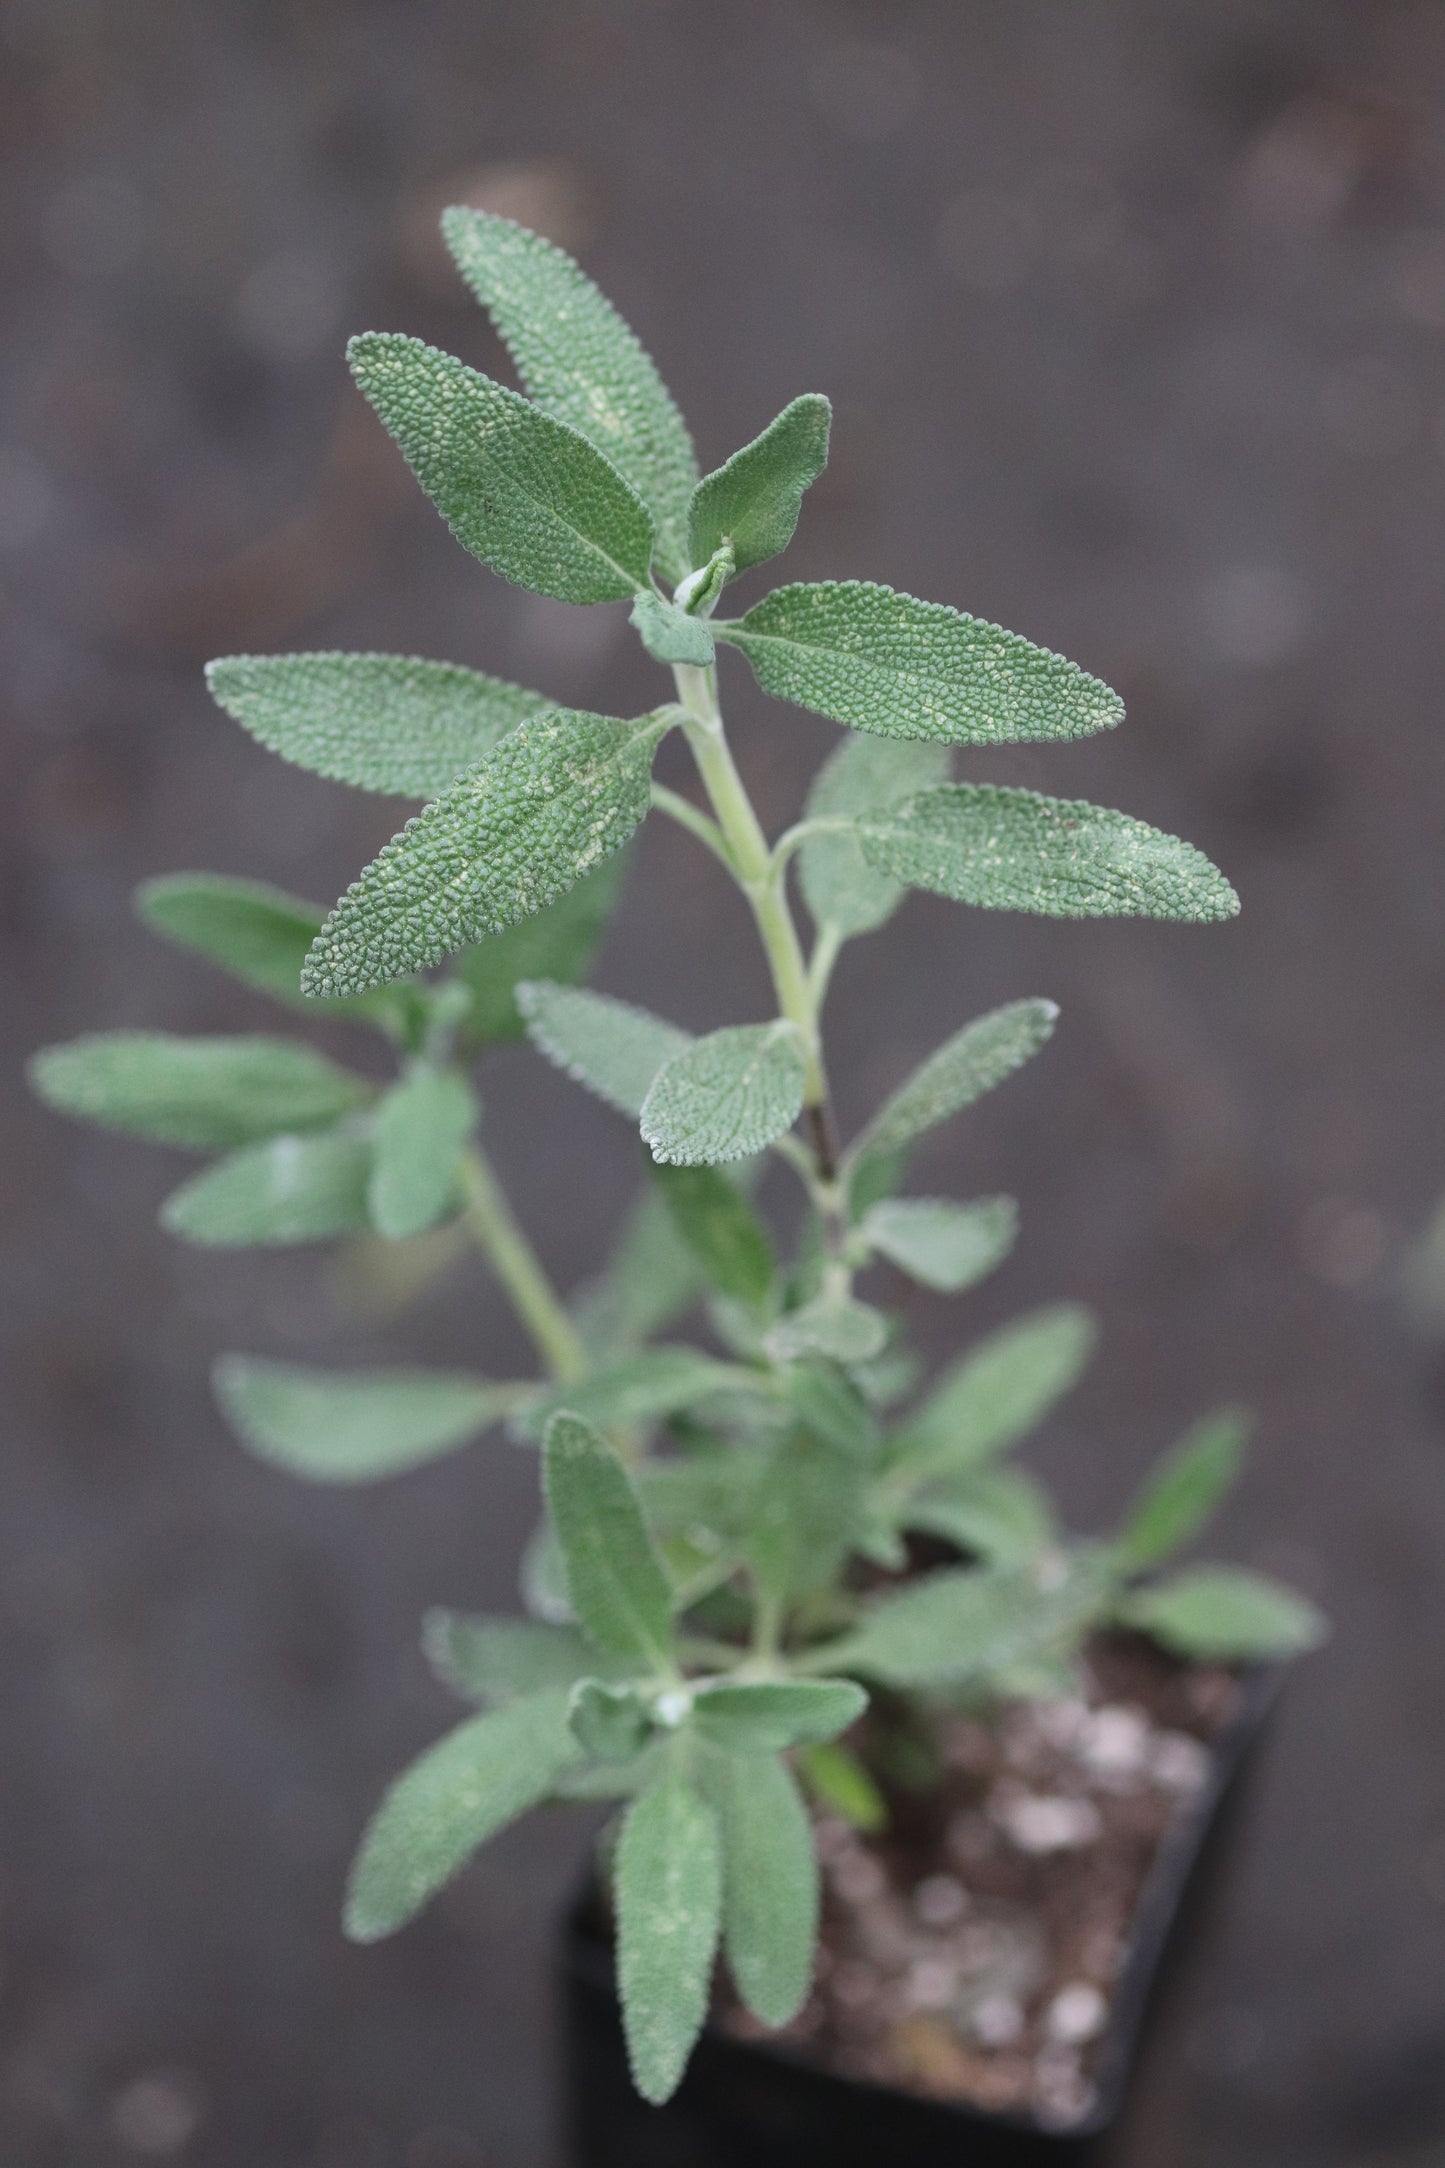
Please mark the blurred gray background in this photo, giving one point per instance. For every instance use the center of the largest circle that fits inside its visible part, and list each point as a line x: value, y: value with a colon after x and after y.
x: 1134, y: 321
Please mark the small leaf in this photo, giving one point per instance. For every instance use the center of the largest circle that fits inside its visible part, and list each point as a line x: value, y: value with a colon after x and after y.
x: 461, y: 1791
x: 640, y: 1389
x: 770, y: 1884
x: 966, y: 1066
x: 753, y: 500
x: 509, y: 837
x: 943, y: 1245
x: 829, y: 1404
x: 803, y: 1516
x: 1000, y: 1391
x: 864, y: 775
x: 997, y: 1514
x: 613, y: 1048
x: 883, y: 661
x: 964, y: 1623
x: 391, y: 723
x: 651, y: 1279
x: 579, y: 361
x: 556, y: 944
x: 294, y: 1189
x: 1219, y: 1614
x: 721, y: 1230
x: 834, y: 1326
x: 1012, y: 850
x: 337, y: 1426
x: 669, y: 634
x: 529, y: 496
x: 205, y: 1094
x: 1183, y: 1491
x: 839, y: 1782
x: 668, y: 1887
x: 496, y: 1660
x: 726, y: 1096
x: 763, y: 1716
x: 619, y: 1590
x: 422, y: 1125
x: 609, y: 1723
x: 257, y: 933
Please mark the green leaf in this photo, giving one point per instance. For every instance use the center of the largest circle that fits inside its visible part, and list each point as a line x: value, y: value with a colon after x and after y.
x: 640, y: 1389
x: 204, y: 1094
x: 864, y: 775
x: 579, y: 361
x: 383, y: 722
x: 557, y: 797
x: 1012, y: 850
x: 839, y: 1782
x: 834, y: 1326
x: 1220, y: 1614
x: 720, y: 1228
x: 753, y: 500
x: 555, y: 944
x: 461, y: 1791
x: 964, y: 1623
x: 1183, y: 1492
x: 613, y: 1048
x: 495, y: 1660
x: 619, y: 1590
x: 882, y: 661
x: 943, y: 1245
x: 610, y: 1723
x: 803, y: 1516
x: 257, y: 933
x: 669, y: 634
x: 763, y: 1716
x: 997, y: 1514
x: 529, y: 496
x: 338, y: 1426
x: 770, y: 1884
x: 668, y: 1887
x: 966, y: 1066
x: 829, y: 1404
x: 294, y: 1189
x: 422, y: 1125
x: 651, y: 1279
x: 726, y: 1096
x: 1000, y: 1391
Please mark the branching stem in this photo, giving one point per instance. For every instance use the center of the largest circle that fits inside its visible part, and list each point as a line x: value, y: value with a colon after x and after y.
x: 520, y: 1270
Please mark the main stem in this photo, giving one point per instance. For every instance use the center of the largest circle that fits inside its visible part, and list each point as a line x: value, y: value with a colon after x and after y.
x: 518, y: 1267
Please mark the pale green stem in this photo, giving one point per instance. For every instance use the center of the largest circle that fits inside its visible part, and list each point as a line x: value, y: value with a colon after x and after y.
x: 691, y: 817
x: 826, y: 951
x: 516, y: 1264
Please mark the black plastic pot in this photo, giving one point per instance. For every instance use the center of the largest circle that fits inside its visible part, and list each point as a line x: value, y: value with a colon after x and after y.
x: 755, y: 2105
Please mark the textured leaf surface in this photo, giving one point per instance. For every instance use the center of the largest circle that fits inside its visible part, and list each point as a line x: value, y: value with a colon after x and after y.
x: 205, y: 1094
x: 864, y: 775
x: 383, y: 722
x: 619, y: 1589
x: 834, y: 1326
x: 642, y: 1388
x: 578, y: 359
x: 1184, y: 1490
x: 1000, y: 1391
x: 668, y: 633
x: 763, y: 1716
x: 555, y: 944
x: 1000, y: 1514
x: 1220, y: 1614
x: 613, y: 1048
x: 720, y: 1228
x: 770, y: 1884
x: 668, y: 1885
x: 726, y: 1096
x: 966, y: 1066
x: 943, y: 1245
x: 257, y: 933
x: 557, y: 797
x: 879, y: 660
x: 462, y: 1791
x: 339, y: 1426
x: 753, y: 500
x: 959, y: 1624
x: 829, y: 1404
x: 293, y: 1189
x: 1012, y: 850
x: 422, y: 1125
x: 495, y: 1660
x: 528, y: 495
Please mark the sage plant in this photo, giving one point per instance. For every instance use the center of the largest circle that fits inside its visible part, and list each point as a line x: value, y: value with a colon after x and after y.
x: 722, y: 1577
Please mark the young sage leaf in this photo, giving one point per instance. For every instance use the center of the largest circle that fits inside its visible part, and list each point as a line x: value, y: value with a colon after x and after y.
x: 421, y: 1127
x: 292, y: 1189
x: 619, y: 1590
x: 613, y: 1048
x: 669, y: 634
x: 839, y: 1782
x: 834, y: 1326
x: 668, y: 1887
x: 726, y: 1096
x: 609, y: 1722
x: 763, y: 1716
x: 770, y: 1883
x: 720, y: 1228
x: 967, y: 1623
x: 753, y: 500
x: 496, y: 1660
x: 643, y: 1388
x: 966, y: 1066
x: 827, y: 1402
x: 943, y: 1245
x: 997, y: 1514
x: 207, y: 1095
x: 1221, y: 1614
x: 1182, y: 1493
x: 337, y: 1426
x: 1000, y: 1391
x: 257, y: 933
x: 864, y: 775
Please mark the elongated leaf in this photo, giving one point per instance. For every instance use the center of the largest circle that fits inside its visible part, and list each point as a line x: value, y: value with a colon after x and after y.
x: 753, y: 500
x: 496, y: 1660
x: 618, y: 1587
x: 803, y: 1516
x: 613, y: 1048
x: 997, y: 1514
x: 557, y: 797
x: 529, y: 496
x: 1012, y: 850
x: 338, y: 1426
x: 579, y: 360
x: 720, y: 1228
x: 837, y: 1327
x: 1220, y: 1614
x: 1000, y: 1391
x: 1183, y: 1491
x: 651, y: 1279
x: 555, y: 944
x: 205, y: 1094
x: 461, y: 1791
x: 726, y: 1096
x: 611, y: 1723
x: 966, y: 1066
x: 770, y: 1883
x: 383, y: 722
x: 669, y: 634
x: 257, y: 933
x: 828, y: 1403
x: 969, y: 1623
x: 642, y: 1388
x: 864, y: 775
x: 883, y: 661
x: 422, y: 1125
x: 293, y: 1189
x: 943, y: 1245
x: 668, y: 1887
x: 839, y: 1782
x: 763, y: 1716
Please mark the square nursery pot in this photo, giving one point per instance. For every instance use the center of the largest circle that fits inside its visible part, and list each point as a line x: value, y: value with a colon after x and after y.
x: 747, y: 2104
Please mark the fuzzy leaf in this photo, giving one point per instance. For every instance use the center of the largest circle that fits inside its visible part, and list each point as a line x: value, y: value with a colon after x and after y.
x: 1184, y: 1490
x: 421, y: 1126
x: 966, y: 1066
x: 803, y: 1515
x: 720, y: 1228
x: 726, y: 1096
x: 613, y: 1048
x: 651, y: 1278
x: 205, y: 1094
x: 642, y: 1388
x: 668, y: 633
x: 610, y: 1723
x: 1000, y: 1391
x: 964, y: 1623
x: 1012, y: 850
x: 997, y: 1514
x: 770, y: 1883
x: 1220, y: 1614
x: 864, y: 775
x: 383, y: 722
x: 557, y: 797
x: 292, y: 1189
x: 883, y: 661
x: 763, y: 1716
x: 579, y: 361
x: 668, y: 1885
x: 943, y: 1245
x: 257, y: 933
x: 337, y: 1426
x: 459, y: 1793
x: 495, y: 1660
x: 753, y: 500
x: 829, y: 1404
x: 619, y: 1590
x: 529, y: 496
x: 555, y: 944
x: 834, y: 1326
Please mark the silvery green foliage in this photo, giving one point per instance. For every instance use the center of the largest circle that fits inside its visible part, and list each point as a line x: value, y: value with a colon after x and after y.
x: 721, y: 1577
